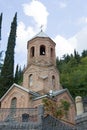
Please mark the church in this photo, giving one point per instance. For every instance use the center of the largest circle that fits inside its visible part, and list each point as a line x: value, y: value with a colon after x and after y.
x: 40, y: 79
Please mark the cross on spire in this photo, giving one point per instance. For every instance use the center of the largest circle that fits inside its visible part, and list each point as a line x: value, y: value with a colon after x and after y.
x: 41, y: 27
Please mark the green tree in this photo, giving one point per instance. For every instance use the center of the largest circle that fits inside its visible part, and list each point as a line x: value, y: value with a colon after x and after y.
x: 0, y: 24
x: 77, y: 56
x: 7, y: 73
x: 84, y: 53
x: 58, y: 110
x: 18, y: 75
x: 1, y: 60
x: 73, y: 74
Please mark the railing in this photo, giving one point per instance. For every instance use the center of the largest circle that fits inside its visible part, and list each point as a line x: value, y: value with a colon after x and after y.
x: 19, y: 115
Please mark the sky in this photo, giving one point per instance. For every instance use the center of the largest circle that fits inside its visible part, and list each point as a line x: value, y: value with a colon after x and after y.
x: 64, y: 21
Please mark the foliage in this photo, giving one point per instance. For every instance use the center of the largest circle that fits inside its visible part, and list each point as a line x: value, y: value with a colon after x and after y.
x: 1, y: 61
x: 73, y: 73
x: 0, y: 24
x: 18, y: 75
x: 7, y: 72
x: 58, y: 110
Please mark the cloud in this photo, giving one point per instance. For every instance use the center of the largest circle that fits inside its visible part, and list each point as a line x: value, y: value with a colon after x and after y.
x: 82, y: 39
x: 23, y: 35
x: 64, y: 46
x: 37, y: 11
x: 67, y: 46
x: 62, y: 5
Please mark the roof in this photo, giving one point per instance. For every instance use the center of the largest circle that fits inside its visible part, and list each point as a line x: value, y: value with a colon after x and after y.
x: 22, y: 88
x: 54, y: 93
x: 40, y: 34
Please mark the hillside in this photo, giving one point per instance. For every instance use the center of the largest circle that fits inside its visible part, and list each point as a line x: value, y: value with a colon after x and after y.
x: 73, y: 73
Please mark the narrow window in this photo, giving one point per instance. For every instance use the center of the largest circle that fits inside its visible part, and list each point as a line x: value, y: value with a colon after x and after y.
x: 13, y: 106
x: 53, y: 81
x: 32, y: 52
x: 51, y: 52
x: 42, y: 50
x: 30, y: 80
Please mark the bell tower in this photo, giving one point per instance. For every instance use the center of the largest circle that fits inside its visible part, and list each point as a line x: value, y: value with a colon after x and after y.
x: 41, y: 74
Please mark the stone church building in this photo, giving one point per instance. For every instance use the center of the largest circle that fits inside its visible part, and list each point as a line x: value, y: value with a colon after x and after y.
x: 40, y: 78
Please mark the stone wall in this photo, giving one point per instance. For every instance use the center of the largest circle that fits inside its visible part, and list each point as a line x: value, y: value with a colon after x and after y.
x: 81, y: 117
x: 81, y: 122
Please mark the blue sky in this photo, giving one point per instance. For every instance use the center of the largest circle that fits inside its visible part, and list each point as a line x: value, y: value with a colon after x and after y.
x: 65, y: 21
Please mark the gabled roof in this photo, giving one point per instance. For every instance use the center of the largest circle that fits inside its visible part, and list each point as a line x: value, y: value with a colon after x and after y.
x: 20, y: 87
x: 54, y: 94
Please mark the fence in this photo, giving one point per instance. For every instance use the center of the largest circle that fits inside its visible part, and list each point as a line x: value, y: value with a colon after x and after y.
x: 20, y: 119
x: 29, y: 119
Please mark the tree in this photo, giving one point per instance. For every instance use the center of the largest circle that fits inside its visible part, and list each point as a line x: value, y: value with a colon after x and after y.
x: 0, y: 24
x: 77, y: 56
x: 58, y: 110
x: 1, y: 64
x: 73, y: 74
x: 7, y: 73
x: 18, y: 75
x: 84, y: 53
x: 0, y: 39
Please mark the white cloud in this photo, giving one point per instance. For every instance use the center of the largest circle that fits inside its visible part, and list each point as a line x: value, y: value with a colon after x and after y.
x: 63, y: 46
x: 23, y: 35
x: 82, y: 39
x: 67, y: 46
x: 37, y: 11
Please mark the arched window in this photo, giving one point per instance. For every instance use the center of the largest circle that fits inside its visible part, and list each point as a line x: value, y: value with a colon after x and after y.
x: 51, y: 52
x: 14, y: 102
x: 42, y: 50
x: 32, y: 51
x: 13, y: 105
x: 53, y: 81
x: 30, y: 80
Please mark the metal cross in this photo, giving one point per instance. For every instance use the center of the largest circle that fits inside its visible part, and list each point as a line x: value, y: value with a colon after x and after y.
x: 41, y: 27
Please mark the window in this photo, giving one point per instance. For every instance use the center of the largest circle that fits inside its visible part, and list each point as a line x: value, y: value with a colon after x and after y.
x: 42, y: 50
x: 51, y: 52
x: 30, y: 80
x: 53, y: 81
x: 32, y: 52
x: 13, y: 105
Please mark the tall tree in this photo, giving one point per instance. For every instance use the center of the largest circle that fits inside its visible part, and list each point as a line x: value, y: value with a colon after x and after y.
x: 0, y: 24
x: 1, y: 60
x: 7, y: 73
x: 18, y: 75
